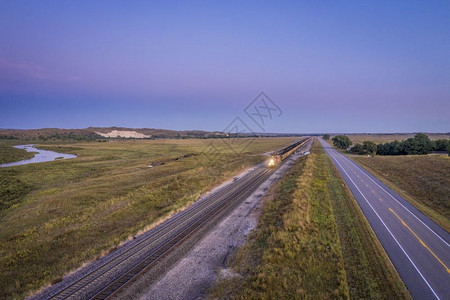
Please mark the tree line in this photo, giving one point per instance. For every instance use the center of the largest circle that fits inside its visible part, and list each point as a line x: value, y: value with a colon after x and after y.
x: 420, y: 144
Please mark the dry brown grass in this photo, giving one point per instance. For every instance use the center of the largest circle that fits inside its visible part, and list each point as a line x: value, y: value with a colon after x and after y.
x: 67, y: 212
x: 424, y: 180
x: 295, y: 250
x: 312, y: 242
x: 370, y: 273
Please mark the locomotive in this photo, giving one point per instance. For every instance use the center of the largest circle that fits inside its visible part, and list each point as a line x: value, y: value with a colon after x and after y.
x: 279, y: 156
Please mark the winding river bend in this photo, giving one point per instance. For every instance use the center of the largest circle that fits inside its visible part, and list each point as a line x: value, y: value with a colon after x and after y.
x: 40, y: 156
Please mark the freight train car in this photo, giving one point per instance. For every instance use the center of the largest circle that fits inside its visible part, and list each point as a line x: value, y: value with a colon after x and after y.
x: 285, y: 152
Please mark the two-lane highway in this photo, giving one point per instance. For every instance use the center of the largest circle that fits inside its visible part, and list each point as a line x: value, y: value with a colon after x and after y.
x: 418, y: 247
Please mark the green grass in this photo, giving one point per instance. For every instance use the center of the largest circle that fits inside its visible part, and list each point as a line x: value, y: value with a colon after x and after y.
x: 312, y: 242
x: 423, y: 180
x: 370, y: 274
x: 59, y: 214
x: 10, y: 154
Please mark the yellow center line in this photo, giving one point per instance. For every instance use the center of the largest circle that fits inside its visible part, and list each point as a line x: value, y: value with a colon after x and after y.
x: 423, y: 244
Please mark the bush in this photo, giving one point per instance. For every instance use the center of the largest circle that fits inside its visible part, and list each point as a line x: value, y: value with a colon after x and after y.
x: 358, y: 148
x: 440, y: 145
x: 342, y: 141
x: 368, y: 147
x: 419, y: 144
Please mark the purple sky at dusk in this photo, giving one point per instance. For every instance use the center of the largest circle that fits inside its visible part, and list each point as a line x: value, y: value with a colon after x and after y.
x: 331, y: 66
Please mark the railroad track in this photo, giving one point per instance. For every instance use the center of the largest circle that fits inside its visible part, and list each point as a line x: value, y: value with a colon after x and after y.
x: 109, y: 277
x: 148, y: 250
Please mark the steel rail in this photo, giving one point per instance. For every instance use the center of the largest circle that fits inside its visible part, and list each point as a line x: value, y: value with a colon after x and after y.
x: 135, y: 271
x: 174, y: 231
x: 151, y: 239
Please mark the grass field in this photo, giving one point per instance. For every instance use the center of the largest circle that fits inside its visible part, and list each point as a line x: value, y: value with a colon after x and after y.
x: 424, y: 180
x: 56, y: 215
x: 10, y: 154
x: 312, y: 242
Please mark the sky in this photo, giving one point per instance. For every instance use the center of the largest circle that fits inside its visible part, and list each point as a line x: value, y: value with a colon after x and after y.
x: 329, y: 66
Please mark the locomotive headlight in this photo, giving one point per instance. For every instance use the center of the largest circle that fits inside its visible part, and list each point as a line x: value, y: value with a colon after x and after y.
x: 271, y: 162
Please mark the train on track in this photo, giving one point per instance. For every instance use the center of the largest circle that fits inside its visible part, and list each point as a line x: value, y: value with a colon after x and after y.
x: 279, y: 156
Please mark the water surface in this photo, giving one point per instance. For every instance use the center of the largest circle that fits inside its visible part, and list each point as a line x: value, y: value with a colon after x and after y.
x: 40, y: 156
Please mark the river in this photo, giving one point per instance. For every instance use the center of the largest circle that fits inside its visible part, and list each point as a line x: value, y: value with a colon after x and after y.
x: 40, y: 156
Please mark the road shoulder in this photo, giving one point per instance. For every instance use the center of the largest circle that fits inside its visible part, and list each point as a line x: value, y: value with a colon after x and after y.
x: 312, y: 240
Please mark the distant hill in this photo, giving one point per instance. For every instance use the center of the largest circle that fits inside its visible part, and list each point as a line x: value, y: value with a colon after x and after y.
x: 159, y: 133
x: 93, y: 133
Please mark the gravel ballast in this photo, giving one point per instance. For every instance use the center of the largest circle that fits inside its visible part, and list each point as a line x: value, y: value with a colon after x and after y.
x: 192, y: 276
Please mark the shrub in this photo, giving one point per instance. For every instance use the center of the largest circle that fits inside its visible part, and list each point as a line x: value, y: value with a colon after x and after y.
x: 342, y: 141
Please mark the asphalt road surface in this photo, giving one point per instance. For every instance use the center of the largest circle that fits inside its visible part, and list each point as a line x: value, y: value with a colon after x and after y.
x: 418, y: 247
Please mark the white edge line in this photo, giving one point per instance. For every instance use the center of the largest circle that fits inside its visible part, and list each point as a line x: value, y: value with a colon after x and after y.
x: 362, y: 171
x: 385, y: 226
